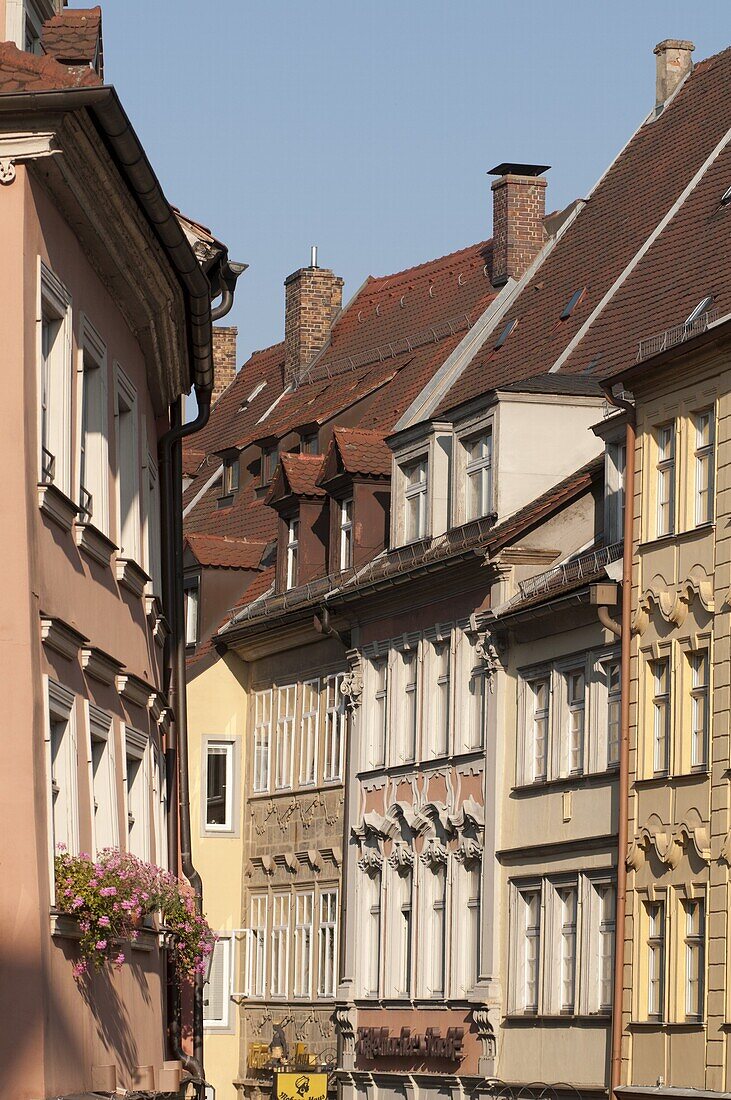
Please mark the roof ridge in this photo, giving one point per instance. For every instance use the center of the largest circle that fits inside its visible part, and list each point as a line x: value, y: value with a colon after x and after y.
x: 430, y: 263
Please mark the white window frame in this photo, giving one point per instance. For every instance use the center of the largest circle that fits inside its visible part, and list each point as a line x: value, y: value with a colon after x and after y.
x: 613, y: 709
x: 223, y: 947
x: 600, y: 934
x: 416, y: 498
x: 160, y: 805
x: 479, y: 471
x: 153, y: 550
x: 61, y: 706
x: 224, y: 748
x: 472, y: 718
x: 378, y: 674
x: 566, y: 914
x: 665, y: 473
x: 54, y: 383
x: 400, y: 934
x: 336, y: 728
x: 662, y: 702
x: 309, y: 725
x: 528, y: 948
x: 261, y: 777
x: 293, y: 546
x: 192, y: 600
x: 656, y: 947
x: 404, y: 719
x: 534, y: 721
x: 93, y: 453
x: 137, y: 747
x: 284, y: 736
x: 279, y: 947
x: 304, y: 917
x: 256, y: 963
x: 327, y: 942
x: 438, y: 692
x: 694, y: 942
x: 432, y: 890
x: 704, y: 460
x: 128, y: 466
x: 574, y: 725
x: 700, y: 703
x: 466, y: 934
x: 614, y: 490
x: 370, y: 893
x: 102, y: 778
x: 346, y: 533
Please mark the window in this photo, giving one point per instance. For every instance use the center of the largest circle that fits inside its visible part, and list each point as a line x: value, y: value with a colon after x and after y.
x: 262, y: 738
x: 33, y: 28
x: 614, y: 711
x: 400, y: 905
x: 666, y: 479
x: 475, y: 711
x: 431, y: 937
x: 128, y: 468
x: 406, y: 719
x: 327, y: 947
x: 61, y: 755
x: 219, y: 785
x: 377, y: 745
x: 479, y: 475
x: 284, y: 738
x: 704, y: 472
x: 416, y: 475
x: 655, y: 960
x: 280, y: 944
x: 191, y: 593
x: 217, y: 990
x: 55, y: 383
x: 303, y: 945
x: 370, y: 883
x: 441, y: 654
x: 335, y: 719
x: 103, y: 779
x: 257, y: 961
x: 230, y: 474
x: 153, y: 554
x: 138, y: 792
x: 695, y: 935
x: 539, y: 693
x: 567, y: 896
x: 699, y: 694
x: 293, y: 547
x: 309, y: 444
x: 576, y: 703
x: 467, y: 940
x: 614, y: 497
x: 308, y: 731
x: 93, y: 441
x: 661, y: 715
x: 530, y: 903
x: 269, y: 460
x: 703, y: 306
x: 505, y: 333
x: 571, y: 305
x: 160, y: 796
x: 604, y: 903
x: 346, y: 533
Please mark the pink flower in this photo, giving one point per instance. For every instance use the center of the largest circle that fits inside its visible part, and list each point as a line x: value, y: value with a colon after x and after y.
x: 104, y: 922
x: 77, y: 902
x: 119, y: 959
x: 79, y: 969
x: 100, y: 945
x: 108, y: 891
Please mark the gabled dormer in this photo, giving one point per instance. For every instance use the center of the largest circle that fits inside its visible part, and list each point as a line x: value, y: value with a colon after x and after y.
x: 302, y: 506
x: 357, y: 477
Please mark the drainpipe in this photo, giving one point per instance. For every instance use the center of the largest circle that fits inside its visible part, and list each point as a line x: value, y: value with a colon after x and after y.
x: 176, y: 757
x: 622, y: 838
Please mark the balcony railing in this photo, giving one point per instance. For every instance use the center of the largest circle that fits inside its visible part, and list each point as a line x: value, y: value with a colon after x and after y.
x: 569, y: 572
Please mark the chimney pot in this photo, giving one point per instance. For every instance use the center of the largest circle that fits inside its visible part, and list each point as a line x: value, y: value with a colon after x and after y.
x: 518, y: 211
x: 673, y: 63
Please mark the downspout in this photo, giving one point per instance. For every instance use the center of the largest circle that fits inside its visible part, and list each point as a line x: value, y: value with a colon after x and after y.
x: 177, y: 766
x: 622, y: 824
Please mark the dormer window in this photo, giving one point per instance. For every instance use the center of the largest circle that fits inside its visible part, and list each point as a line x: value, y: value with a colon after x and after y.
x: 309, y: 444
x: 293, y: 546
x: 417, y: 484
x: 33, y: 23
x: 230, y: 474
x: 269, y: 460
x: 478, y: 471
x: 346, y: 533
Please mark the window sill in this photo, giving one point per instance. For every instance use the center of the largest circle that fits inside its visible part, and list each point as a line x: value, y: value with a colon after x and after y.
x: 587, y: 779
x: 661, y: 780
x: 558, y: 1018
x: 685, y: 535
x: 156, y: 619
x: 65, y: 926
x: 94, y: 543
x: 131, y: 576
x: 666, y: 1025
x: 57, y: 506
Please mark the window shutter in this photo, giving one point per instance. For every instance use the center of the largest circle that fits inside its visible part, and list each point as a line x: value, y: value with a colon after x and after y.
x: 214, y: 1005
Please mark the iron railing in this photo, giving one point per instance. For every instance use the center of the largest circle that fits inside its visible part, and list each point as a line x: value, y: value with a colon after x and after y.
x: 569, y: 572
x: 48, y: 467
x: 671, y: 337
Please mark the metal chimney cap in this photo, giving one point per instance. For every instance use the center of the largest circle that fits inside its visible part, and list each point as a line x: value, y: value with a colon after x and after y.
x: 510, y: 168
x: 313, y: 256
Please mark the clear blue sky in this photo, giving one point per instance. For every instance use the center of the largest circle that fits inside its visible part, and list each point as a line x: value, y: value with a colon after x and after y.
x: 367, y: 126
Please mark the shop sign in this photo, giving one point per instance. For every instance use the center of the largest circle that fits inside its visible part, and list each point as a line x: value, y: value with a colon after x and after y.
x: 301, y: 1086
x: 378, y: 1042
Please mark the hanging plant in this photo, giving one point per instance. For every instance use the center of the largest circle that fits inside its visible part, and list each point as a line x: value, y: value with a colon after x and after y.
x: 112, y: 895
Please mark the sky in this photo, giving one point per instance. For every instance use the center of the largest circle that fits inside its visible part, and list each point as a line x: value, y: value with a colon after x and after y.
x: 368, y: 127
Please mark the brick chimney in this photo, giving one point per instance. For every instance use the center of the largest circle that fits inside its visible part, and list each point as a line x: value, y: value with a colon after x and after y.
x: 673, y: 62
x: 518, y: 210
x: 224, y: 358
x: 313, y: 297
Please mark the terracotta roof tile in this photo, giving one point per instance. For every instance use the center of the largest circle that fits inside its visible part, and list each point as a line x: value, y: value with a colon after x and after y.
x: 27, y: 72
x: 362, y: 451
x: 225, y: 553
x: 74, y: 36
x: 297, y: 474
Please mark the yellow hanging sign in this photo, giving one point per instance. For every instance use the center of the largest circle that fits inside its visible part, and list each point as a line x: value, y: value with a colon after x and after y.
x: 301, y: 1086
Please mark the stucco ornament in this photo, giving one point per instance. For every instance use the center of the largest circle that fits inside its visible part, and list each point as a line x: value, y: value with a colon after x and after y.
x: 345, y: 1027
x: 674, y: 604
x: 487, y: 651
x: 401, y: 858
x: 7, y: 170
x: 725, y: 853
x: 468, y: 852
x: 433, y: 854
x: 371, y: 861
x: 488, y: 1041
x: 351, y: 689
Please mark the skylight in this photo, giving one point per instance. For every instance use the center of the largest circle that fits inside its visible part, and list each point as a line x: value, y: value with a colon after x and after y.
x: 505, y: 333
x: 570, y: 306
x: 703, y: 306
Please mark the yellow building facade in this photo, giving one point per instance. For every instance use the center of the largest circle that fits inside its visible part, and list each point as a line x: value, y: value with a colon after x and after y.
x: 676, y: 1013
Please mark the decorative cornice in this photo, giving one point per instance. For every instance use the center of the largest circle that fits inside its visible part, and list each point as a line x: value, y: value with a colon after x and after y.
x: 468, y: 852
x: 94, y: 543
x: 15, y: 148
x: 60, y: 637
x: 131, y: 576
x: 57, y: 506
x: 371, y: 861
x: 470, y: 812
x: 401, y: 858
x: 674, y: 603
x: 100, y: 665
x: 433, y: 854
x: 670, y: 845
x: 134, y: 689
